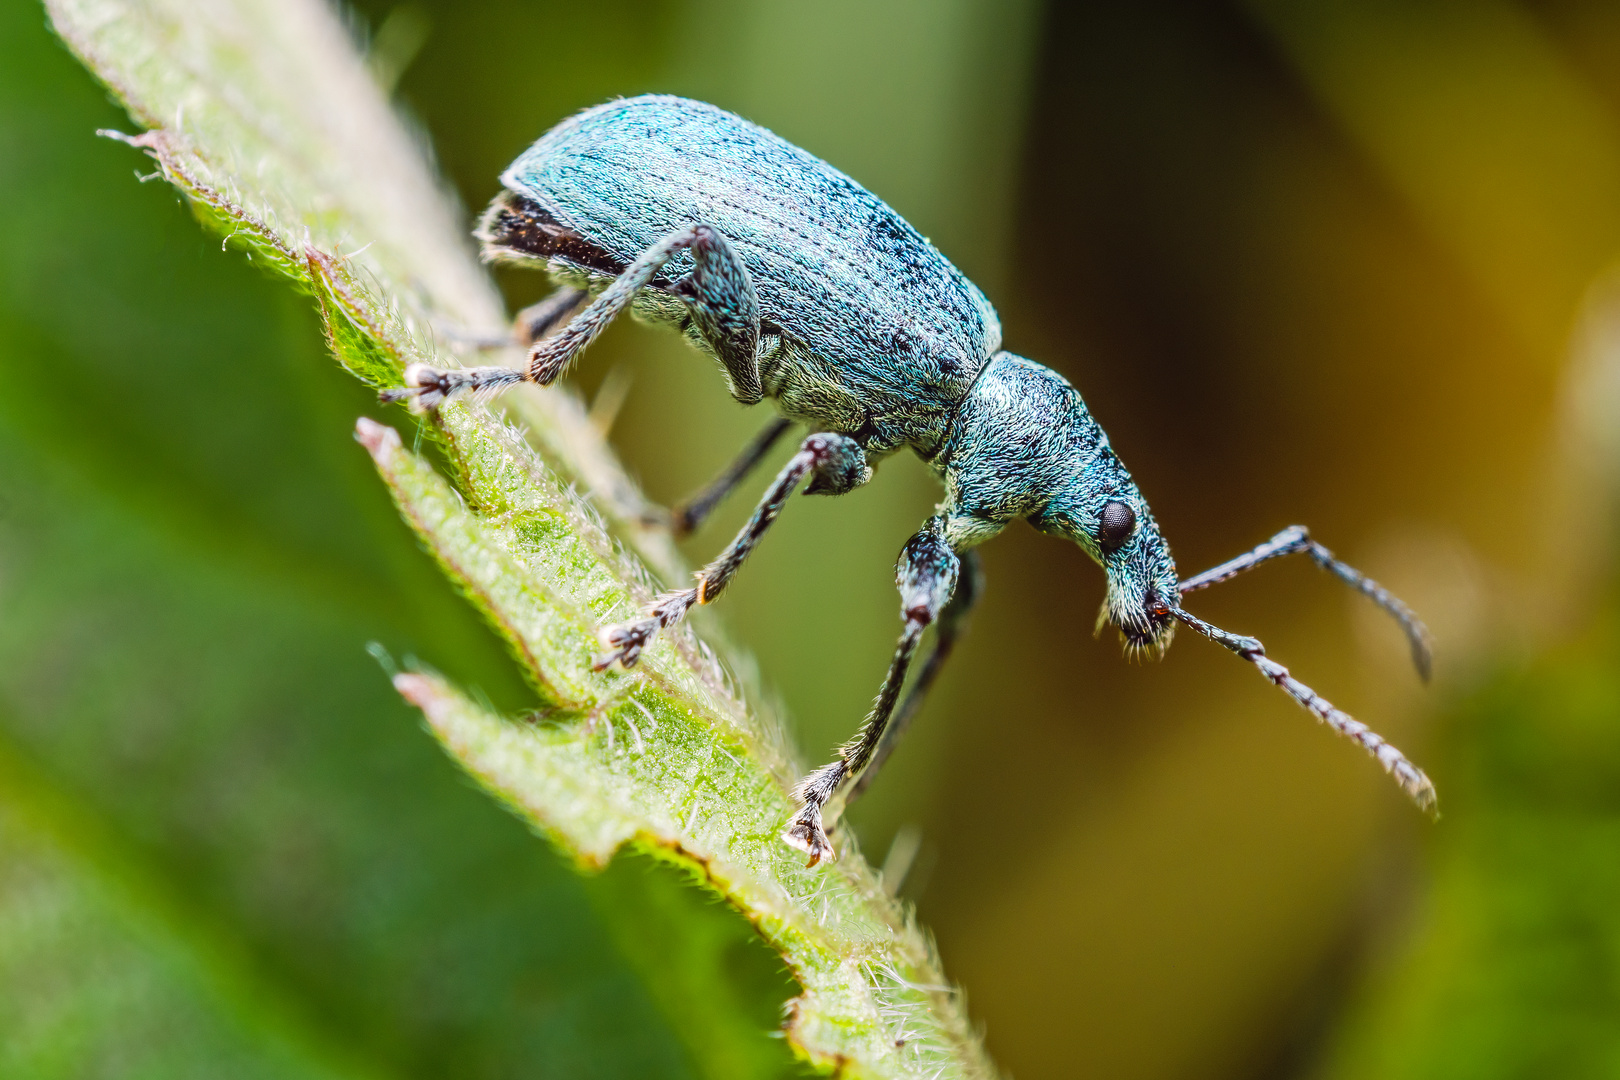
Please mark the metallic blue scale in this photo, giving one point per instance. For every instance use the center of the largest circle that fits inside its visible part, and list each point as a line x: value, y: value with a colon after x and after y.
x: 811, y: 292
x: 879, y: 332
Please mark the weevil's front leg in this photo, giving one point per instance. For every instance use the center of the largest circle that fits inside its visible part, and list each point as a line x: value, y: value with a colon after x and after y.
x: 718, y: 292
x: 927, y: 574
x: 952, y: 623
x: 685, y: 518
x: 837, y: 464
x: 1296, y: 539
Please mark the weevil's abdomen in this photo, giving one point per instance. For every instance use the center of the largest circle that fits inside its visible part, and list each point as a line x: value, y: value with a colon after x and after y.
x: 877, y: 328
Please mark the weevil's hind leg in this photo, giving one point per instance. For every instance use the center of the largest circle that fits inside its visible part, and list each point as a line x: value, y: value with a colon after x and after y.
x: 684, y: 519
x: 953, y: 620
x: 927, y: 574
x: 718, y: 292
x: 1411, y: 778
x: 1296, y: 539
x: 837, y: 464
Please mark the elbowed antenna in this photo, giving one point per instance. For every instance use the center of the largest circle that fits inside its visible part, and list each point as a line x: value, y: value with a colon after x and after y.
x: 1296, y: 539
x: 1406, y: 774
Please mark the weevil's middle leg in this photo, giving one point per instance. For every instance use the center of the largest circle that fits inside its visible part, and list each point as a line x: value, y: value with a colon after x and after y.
x: 1296, y: 539
x: 952, y: 622
x: 685, y: 519
x: 718, y: 292
x: 927, y: 576
x: 836, y: 462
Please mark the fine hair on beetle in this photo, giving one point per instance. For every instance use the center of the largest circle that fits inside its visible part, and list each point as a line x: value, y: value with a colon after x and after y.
x: 809, y: 291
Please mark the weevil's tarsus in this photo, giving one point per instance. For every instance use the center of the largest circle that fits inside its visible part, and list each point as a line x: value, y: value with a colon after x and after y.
x: 625, y: 641
x: 825, y: 457
x: 1411, y: 778
x: 807, y: 833
x: 1297, y: 539
x: 146, y: 140
x: 927, y: 575
x: 685, y: 519
x: 428, y: 387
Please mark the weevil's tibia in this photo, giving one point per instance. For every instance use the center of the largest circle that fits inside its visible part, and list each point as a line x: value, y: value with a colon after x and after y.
x: 835, y: 463
x: 718, y: 292
x: 1406, y: 774
x: 1295, y: 539
x: 927, y: 574
x: 951, y: 625
x: 685, y: 519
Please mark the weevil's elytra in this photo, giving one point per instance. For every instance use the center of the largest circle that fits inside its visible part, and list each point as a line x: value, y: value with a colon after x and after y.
x: 809, y: 291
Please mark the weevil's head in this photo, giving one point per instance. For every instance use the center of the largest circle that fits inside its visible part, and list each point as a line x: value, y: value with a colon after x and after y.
x: 1105, y: 514
x: 1024, y: 444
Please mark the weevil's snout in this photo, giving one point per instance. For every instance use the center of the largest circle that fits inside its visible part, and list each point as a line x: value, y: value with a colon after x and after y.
x: 1101, y: 510
x: 1143, y: 617
x: 1147, y: 626
x: 1141, y: 590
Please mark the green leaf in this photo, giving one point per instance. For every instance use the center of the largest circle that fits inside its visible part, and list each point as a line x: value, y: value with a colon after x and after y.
x: 193, y: 553
x: 267, y: 120
x: 101, y: 967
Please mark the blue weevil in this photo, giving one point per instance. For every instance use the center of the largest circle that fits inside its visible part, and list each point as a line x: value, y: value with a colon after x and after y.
x: 809, y: 290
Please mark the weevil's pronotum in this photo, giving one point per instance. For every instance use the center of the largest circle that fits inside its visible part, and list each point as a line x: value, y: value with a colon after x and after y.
x: 810, y: 291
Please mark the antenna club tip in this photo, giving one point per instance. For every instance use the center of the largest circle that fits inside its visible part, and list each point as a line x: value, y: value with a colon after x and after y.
x: 1423, y: 659
x: 1428, y: 800
x: 1419, y: 788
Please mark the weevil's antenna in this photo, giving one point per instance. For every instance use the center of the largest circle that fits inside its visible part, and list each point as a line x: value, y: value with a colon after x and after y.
x: 1296, y: 539
x: 1406, y: 774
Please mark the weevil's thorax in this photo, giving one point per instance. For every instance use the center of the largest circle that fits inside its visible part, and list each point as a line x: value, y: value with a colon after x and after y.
x: 1023, y: 444
x: 1014, y: 439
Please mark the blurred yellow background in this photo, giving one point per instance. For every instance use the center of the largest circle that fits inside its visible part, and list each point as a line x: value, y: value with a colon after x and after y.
x: 1343, y: 263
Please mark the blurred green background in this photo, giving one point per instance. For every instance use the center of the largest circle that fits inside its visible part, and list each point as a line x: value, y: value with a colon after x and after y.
x: 1346, y: 264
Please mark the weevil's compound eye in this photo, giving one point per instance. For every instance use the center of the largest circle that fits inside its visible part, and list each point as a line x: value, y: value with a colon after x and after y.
x: 1116, y: 524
